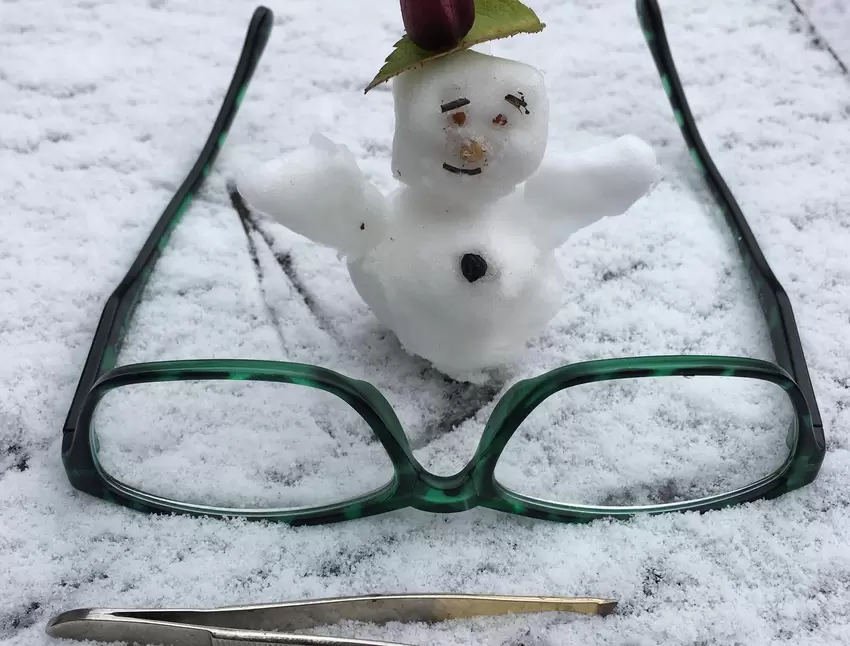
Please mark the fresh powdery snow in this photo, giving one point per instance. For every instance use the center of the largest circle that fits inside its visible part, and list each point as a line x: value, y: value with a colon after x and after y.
x: 831, y: 25
x: 103, y: 107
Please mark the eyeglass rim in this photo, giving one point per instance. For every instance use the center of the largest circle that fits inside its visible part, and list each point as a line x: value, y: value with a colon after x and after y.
x: 412, y: 485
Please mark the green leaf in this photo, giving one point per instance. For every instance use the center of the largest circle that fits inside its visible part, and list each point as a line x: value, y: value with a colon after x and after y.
x: 493, y: 19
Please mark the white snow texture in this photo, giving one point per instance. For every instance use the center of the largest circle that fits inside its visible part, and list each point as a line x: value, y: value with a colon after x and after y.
x: 103, y: 106
x: 831, y: 22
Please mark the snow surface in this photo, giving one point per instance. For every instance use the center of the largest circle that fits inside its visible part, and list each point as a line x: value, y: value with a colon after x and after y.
x: 104, y: 105
x: 831, y: 22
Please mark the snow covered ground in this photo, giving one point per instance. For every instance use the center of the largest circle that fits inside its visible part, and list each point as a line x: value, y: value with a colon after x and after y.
x: 104, y: 104
x: 831, y: 19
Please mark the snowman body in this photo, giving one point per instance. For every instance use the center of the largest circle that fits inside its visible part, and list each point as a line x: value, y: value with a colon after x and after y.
x: 461, y: 289
x: 459, y: 262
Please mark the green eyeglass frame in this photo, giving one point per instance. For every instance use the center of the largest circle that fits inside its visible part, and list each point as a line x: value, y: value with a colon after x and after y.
x: 413, y: 485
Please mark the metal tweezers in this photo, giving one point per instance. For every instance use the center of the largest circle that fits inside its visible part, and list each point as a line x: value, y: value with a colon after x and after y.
x: 274, y: 624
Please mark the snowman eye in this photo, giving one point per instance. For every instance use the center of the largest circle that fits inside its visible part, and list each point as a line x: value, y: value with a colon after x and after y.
x: 500, y: 120
x: 459, y: 118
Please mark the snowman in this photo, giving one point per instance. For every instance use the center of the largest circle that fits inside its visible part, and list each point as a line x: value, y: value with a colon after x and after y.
x: 459, y: 262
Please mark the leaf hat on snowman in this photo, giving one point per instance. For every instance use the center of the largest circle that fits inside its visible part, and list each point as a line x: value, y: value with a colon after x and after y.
x: 439, y: 28
x: 459, y: 262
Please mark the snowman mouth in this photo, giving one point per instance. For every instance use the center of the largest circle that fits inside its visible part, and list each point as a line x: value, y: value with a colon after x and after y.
x: 462, y: 171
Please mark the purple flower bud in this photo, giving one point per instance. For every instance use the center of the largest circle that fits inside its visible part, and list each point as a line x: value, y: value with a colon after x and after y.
x: 435, y: 25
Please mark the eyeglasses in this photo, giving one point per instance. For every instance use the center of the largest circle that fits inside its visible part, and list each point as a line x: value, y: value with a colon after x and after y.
x: 302, y: 444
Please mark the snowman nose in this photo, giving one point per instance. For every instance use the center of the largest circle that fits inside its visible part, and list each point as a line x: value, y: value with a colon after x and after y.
x: 473, y: 266
x: 471, y: 151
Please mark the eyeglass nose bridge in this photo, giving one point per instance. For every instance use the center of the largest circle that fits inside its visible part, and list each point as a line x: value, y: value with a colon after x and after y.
x: 445, y: 494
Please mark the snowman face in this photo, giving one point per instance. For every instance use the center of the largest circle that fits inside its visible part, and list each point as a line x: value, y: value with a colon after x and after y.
x: 469, y: 126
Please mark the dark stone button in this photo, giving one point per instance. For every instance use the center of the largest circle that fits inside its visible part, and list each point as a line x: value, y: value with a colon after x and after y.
x: 473, y: 266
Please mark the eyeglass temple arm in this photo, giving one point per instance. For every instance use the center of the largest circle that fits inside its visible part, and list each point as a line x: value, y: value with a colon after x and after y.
x: 774, y: 302
x: 120, y: 305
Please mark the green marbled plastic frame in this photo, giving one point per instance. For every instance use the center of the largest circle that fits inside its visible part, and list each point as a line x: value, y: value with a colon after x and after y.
x: 412, y: 485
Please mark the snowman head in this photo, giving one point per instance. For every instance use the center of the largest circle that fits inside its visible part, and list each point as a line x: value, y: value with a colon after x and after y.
x: 469, y: 127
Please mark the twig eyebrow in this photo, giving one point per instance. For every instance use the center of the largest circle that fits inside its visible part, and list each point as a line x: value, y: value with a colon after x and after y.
x: 517, y: 102
x: 452, y: 105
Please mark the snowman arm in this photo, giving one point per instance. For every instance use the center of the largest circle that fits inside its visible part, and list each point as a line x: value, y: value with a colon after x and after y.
x: 319, y: 192
x: 584, y: 187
